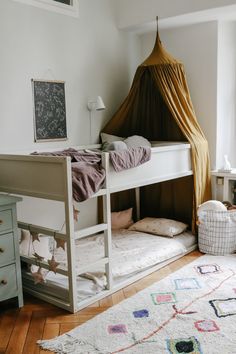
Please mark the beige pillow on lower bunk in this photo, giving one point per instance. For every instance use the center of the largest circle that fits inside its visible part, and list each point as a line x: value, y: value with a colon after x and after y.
x: 121, y: 219
x: 159, y: 226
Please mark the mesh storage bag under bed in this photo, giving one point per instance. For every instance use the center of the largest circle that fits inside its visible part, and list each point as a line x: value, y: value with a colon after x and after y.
x: 217, y: 232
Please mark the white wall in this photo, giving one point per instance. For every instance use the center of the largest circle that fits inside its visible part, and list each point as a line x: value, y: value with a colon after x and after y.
x: 88, y: 52
x: 135, y: 54
x: 226, y: 96
x: 196, y: 47
x: 133, y: 12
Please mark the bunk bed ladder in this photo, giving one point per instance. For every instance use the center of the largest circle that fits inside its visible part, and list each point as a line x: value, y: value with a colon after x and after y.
x: 69, y: 217
x: 107, y: 219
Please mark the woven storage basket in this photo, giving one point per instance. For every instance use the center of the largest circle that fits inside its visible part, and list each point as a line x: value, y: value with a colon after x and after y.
x: 217, y: 232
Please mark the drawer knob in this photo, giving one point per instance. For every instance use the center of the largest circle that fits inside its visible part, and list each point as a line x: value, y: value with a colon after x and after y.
x: 1, y: 250
x: 1, y: 222
x: 3, y: 282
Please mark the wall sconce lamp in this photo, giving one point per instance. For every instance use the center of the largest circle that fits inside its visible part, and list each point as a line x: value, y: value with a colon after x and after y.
x: 97, y: 105
x: 93, y: 106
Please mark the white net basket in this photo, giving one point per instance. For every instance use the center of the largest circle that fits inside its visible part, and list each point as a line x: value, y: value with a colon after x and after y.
x: 217, y: 232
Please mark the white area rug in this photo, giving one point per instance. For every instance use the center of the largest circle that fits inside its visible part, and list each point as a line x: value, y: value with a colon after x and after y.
x: 191, y: 311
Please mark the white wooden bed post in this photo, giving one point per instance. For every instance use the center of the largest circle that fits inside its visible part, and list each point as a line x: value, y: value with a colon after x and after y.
x: 69, y: 221
x: 137, y: 202
x: 106, y: 201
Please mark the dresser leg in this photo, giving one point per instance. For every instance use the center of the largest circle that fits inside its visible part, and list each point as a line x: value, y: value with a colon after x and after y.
x: 20, y: 301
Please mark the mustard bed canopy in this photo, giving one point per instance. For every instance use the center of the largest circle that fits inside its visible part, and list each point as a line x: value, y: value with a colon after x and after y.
x: 159, y: 107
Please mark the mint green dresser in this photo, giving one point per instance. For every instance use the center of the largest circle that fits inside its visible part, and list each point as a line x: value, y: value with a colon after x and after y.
x: 10, y: 268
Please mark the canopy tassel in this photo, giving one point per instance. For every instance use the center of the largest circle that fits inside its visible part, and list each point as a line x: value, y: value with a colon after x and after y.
x: 157, y: 35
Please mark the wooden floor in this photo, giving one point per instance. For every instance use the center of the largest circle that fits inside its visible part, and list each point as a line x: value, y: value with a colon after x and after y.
x: 20, y: 329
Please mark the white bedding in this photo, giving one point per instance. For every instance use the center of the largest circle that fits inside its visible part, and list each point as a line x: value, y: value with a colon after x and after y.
x: 132, y: 252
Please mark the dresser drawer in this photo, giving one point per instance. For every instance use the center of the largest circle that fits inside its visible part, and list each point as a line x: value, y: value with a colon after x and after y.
x: 8, y: 285
x: 7, y: 253
x: 6, y: 220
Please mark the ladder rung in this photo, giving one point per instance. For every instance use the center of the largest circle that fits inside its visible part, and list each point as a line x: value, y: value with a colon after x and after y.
x: 90, y: 231
x: 42, y: 264
x: 42, y: 230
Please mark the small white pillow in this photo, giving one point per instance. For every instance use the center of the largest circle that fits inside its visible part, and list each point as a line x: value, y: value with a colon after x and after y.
x: 121, y: 219
x: 115, y: 146
x: 136, y: 141
x: 159, y: 226
x: 108, y: 138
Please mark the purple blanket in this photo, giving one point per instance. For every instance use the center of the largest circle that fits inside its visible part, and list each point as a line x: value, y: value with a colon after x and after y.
x: 76, y: 155
x: 125, y: 159
x: 87, y: 173
x: 87, y: 179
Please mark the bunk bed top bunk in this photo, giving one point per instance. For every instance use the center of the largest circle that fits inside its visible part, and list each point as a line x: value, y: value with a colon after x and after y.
x: 48, y: 176
x: 169, y: 160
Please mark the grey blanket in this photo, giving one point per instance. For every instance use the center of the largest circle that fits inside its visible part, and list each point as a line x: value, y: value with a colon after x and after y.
x: 132, y: 157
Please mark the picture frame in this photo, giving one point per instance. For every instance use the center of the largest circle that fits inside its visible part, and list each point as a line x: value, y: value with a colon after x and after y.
x: 49, y: 110
x: 65, y: 7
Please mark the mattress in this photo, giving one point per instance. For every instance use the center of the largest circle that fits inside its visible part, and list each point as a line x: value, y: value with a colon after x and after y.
x: 132, y: 252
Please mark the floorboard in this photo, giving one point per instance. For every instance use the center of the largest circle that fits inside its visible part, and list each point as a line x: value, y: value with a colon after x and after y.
x: 21, y: 328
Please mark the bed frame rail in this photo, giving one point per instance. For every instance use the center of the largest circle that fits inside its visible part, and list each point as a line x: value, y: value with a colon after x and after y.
x: 37, y: 176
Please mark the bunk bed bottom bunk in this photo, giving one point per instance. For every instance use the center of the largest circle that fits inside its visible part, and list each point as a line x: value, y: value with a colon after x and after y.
x: 133, y: 254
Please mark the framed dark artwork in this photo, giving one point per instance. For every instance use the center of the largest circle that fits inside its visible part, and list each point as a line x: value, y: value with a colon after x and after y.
x: 65, y: 7
x: 49, y: 110
x: 67, y: 2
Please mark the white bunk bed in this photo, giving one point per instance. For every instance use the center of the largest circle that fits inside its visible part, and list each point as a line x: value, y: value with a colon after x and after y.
x: 49, y: 177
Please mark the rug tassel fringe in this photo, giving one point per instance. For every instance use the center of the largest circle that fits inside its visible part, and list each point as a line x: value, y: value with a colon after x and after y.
x: 64, y: 344
x: 53, y: 345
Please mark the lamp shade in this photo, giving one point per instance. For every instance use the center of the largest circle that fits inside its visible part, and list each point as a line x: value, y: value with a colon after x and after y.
x: 97, y: 105
x: 100, y: 104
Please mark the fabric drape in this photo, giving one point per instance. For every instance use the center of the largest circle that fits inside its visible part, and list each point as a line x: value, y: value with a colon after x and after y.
x: 159, y: 107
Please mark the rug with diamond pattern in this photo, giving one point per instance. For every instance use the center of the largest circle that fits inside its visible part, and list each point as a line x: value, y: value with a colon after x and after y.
x: 191, y: 311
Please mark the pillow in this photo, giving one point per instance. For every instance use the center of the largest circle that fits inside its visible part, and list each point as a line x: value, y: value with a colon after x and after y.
x: 136, y: 141
x: 121, y: 219
x: 108, y: 138
x: 159, y: 226
x: 114, y: 146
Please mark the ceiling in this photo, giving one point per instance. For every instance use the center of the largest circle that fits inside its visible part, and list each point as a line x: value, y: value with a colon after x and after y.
x: 227, y: 13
